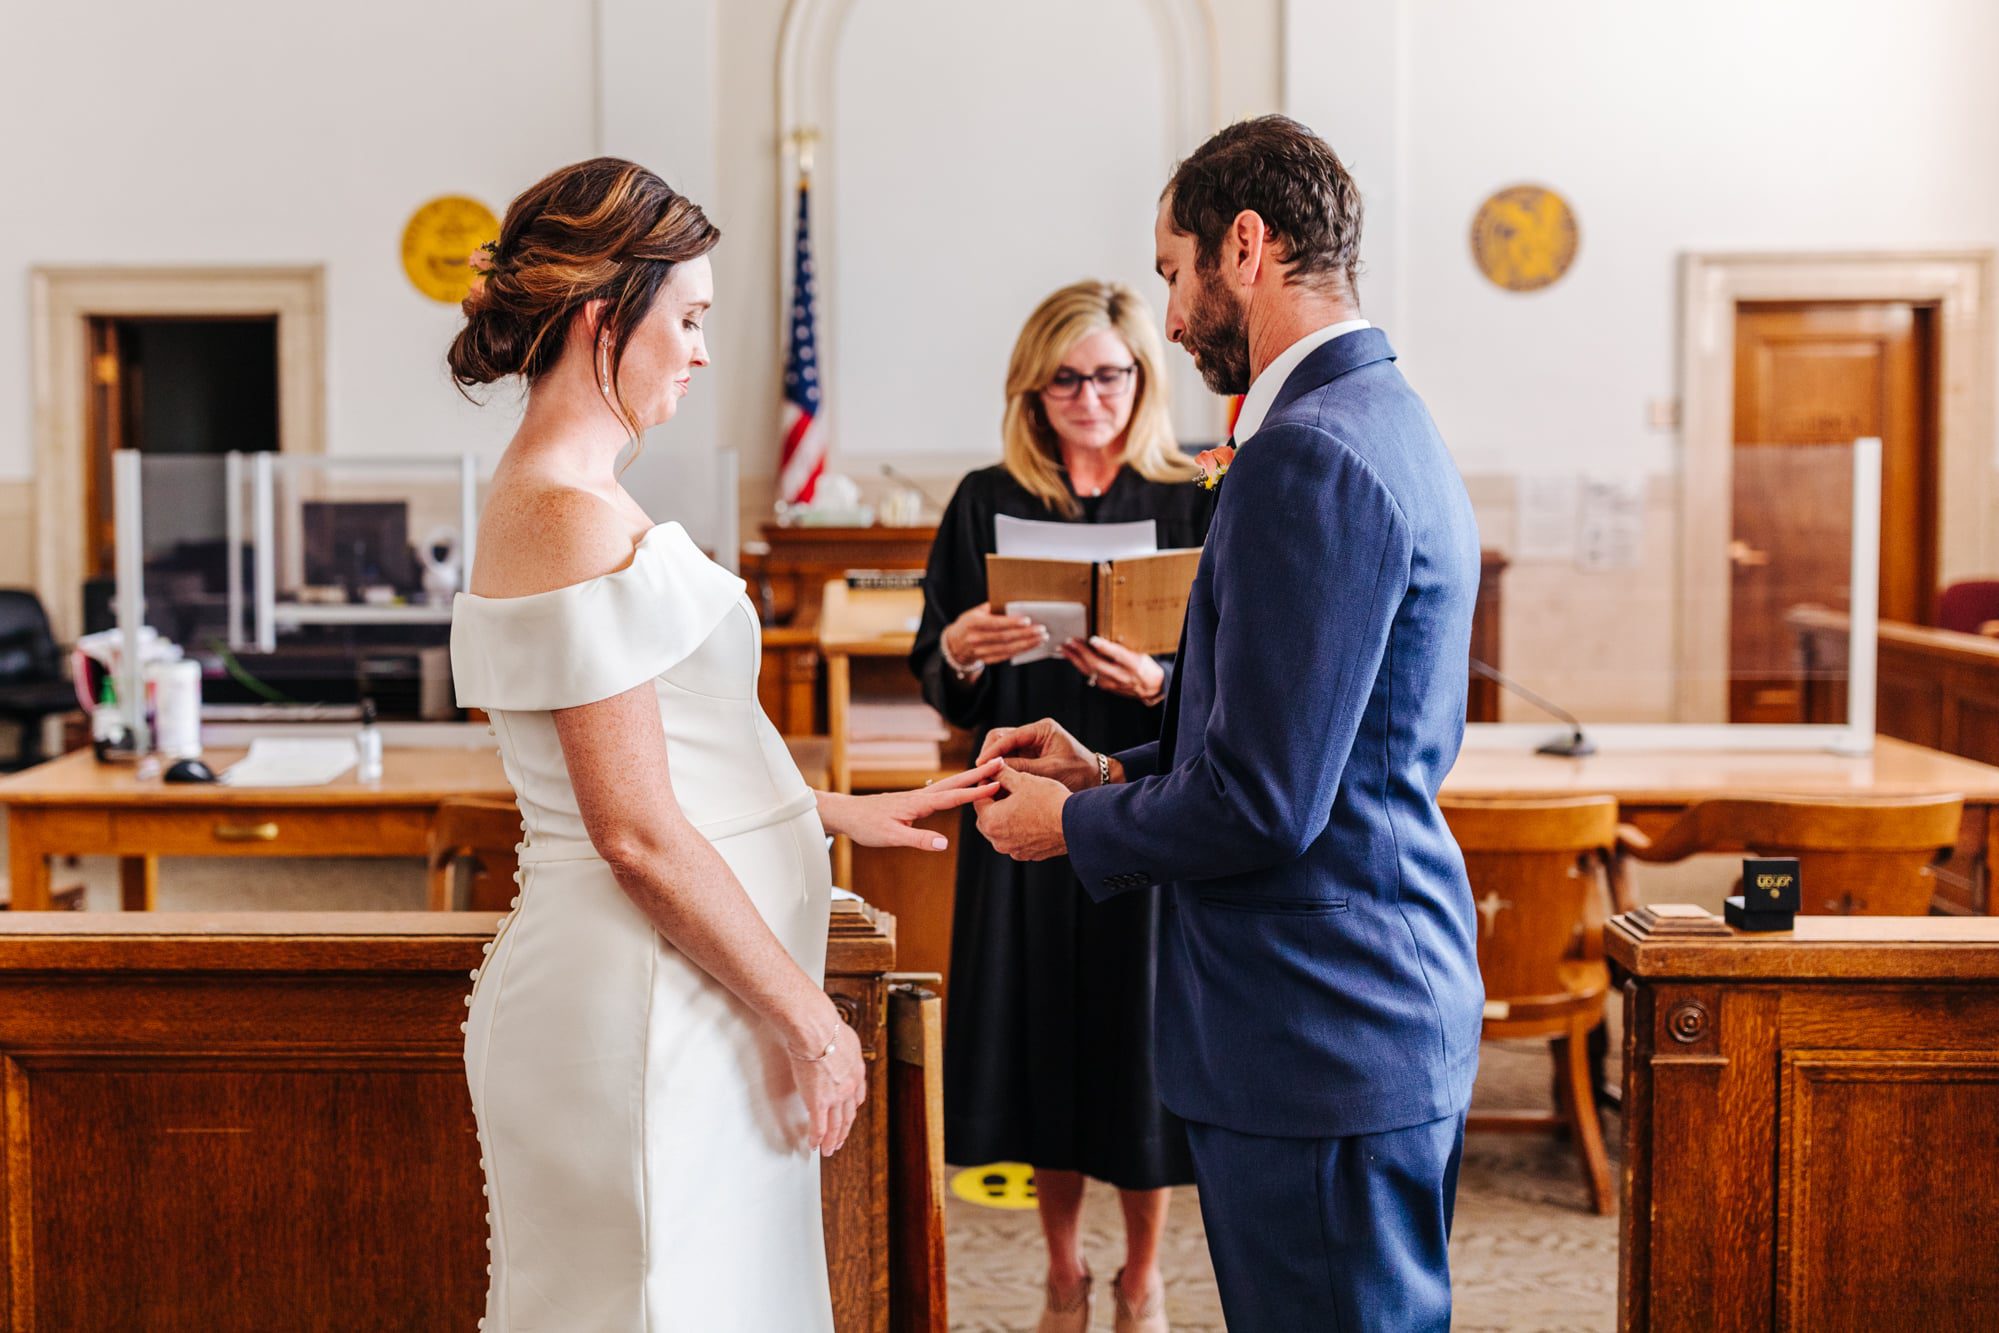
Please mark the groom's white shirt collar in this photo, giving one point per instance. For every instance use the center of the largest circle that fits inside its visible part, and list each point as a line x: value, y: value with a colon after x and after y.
x: 1256, y: 403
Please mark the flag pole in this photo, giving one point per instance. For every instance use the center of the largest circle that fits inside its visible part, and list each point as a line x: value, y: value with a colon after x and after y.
x: 802, y: 457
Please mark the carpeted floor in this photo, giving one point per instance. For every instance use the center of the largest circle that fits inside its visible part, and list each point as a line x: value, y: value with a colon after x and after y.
x: 1526, y: 1254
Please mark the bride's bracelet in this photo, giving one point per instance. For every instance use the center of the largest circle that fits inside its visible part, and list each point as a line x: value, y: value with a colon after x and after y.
x: 831, y: 1046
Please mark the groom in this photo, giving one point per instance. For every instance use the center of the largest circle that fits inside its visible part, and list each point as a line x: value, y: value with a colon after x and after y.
x: 1319, y: 998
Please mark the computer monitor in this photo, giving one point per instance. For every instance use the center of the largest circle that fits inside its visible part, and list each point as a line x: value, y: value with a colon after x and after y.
x: 358, y: 544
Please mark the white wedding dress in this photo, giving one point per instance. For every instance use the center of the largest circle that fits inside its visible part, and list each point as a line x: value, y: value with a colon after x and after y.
x: 642, y: 1137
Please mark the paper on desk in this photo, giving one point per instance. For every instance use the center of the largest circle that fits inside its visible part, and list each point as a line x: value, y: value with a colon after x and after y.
x: 1063, y: 621
x: 1074, y: 541
x: 291, y: 762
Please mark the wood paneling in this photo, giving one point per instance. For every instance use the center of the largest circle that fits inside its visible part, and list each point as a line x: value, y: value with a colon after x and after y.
x: 1809, y: 1123
x: 916, y: 1160
x: 1927, y: 1213
x: 1482, y: 703
x: 259, y: 1121
x: 1935, y: 688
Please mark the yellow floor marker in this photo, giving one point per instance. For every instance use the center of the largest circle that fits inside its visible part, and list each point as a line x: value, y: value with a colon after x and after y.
x: 996, y: 1185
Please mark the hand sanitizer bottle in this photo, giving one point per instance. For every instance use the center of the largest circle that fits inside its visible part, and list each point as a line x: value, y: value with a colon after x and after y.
x: 368, y: 746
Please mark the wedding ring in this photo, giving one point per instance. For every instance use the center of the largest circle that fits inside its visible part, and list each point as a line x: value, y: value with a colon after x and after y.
x: 1093, y: 682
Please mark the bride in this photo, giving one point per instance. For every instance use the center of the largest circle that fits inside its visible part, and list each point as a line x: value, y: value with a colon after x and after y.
x: 653, y: 1063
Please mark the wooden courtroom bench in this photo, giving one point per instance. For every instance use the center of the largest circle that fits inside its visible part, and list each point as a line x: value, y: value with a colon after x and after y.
x: 1934, y: 686
x: 257, y: 1121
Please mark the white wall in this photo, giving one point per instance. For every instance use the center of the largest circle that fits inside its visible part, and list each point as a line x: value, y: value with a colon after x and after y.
x: 947, y: 227
x: 232, y: 132
x: 223, y: 131
x: 1705, y: 125
x: 239, y: 132
x: 909, y: 81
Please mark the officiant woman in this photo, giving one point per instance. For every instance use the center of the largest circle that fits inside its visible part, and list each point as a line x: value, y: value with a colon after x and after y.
x: 1048, y: 1044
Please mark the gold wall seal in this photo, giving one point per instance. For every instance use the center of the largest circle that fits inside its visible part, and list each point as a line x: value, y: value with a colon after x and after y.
x: 438, y: 242
x: 1524, y: 238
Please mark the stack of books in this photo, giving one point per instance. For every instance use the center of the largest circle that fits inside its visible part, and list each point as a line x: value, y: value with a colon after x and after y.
x: 895, y: 734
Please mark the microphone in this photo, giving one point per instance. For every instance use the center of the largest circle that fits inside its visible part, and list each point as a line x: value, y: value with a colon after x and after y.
x: 893, y: 475
x: 1575, y: 747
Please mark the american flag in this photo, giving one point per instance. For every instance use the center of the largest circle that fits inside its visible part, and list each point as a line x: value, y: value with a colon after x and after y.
x: 804, y: 457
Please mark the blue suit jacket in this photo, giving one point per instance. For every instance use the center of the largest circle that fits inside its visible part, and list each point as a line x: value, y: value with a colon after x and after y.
x: 1318, y: 973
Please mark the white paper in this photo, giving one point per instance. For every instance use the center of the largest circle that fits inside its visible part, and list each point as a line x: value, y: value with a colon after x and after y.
x: 1074, y: 541
x: 291, y: 762
x: 895, y: 722
x: 1063, y: 621
x: 1545, y: 521
x: 1611, y: 527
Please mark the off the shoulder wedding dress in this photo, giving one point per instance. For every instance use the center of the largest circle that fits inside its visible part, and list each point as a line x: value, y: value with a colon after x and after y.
x: 643, y: 1140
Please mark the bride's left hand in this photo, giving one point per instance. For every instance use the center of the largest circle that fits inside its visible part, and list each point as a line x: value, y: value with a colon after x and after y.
x: 890, y: 819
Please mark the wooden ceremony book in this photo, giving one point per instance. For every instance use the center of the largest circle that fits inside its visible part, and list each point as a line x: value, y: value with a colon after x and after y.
x: 1139, y: 601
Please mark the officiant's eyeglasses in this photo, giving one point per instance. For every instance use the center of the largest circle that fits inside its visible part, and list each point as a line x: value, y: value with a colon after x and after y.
x: 1111, y: 382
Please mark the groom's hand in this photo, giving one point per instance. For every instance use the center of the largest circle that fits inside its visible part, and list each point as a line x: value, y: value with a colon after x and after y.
x: 1025, y: 819
x: 1044, y: 749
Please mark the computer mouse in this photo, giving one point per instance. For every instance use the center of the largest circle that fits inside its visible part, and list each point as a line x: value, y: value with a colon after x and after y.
x: 190, y: 770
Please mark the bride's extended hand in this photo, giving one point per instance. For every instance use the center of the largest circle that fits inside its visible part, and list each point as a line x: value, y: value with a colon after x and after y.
x: 833, y: 1089
x: 890, y: 819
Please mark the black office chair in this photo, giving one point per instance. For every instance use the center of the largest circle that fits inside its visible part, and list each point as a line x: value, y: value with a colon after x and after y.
x: 32, y: 685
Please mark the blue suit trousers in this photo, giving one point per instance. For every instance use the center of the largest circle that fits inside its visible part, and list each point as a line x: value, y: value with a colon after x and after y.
x: 1340, y: 1235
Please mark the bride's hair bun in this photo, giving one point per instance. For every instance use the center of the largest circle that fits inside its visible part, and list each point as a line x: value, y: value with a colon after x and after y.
x: 603, y: 230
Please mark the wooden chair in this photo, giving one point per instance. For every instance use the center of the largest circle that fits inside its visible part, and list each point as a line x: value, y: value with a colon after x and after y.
x: 1539, y: 874
x: 485, y: 834
x: 1855, y: 857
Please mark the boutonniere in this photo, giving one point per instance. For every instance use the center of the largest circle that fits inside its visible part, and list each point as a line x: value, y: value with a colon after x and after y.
x: 1214, y: 465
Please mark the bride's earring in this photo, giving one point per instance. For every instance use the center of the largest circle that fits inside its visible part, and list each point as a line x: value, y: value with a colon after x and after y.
x: 604, y: 362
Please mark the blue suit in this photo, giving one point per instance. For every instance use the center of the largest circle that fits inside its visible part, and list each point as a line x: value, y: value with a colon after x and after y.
x: 1319, y: 1001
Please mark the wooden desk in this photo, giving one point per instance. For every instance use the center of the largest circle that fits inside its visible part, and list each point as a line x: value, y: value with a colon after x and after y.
x: 74, y: 806
x: 1811, y: 1124
x: 287, y: 1091
x: 801, y: 559
x: 865, y: 638
x: 1654, y: 787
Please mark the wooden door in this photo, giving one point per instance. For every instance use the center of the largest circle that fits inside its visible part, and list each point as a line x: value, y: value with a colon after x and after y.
x: 1809, y: 378
x: 105, y: 427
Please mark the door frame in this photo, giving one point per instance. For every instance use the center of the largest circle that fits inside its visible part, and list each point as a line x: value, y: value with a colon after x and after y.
x: 1959, y: 284
x: 62, y: 302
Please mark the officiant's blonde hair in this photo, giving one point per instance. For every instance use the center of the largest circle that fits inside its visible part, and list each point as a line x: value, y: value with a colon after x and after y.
x: 1032, y: 453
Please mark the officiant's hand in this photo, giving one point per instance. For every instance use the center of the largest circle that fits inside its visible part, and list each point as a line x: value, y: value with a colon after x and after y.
x: 1025, y: 820
x: 985, y: 637
x: 1115, y: 668
x: 1046, y: 750
x: 890, y: 819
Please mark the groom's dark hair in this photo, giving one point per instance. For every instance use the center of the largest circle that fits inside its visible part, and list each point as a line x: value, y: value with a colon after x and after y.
x: 1289, y: 177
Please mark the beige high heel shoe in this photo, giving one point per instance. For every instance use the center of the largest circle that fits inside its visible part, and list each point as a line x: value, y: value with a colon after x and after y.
x: 1070, y: 1316
x: 1149, y: 1314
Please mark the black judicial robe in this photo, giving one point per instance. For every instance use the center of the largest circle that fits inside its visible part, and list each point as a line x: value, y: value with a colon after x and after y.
x: 1048, y: 1055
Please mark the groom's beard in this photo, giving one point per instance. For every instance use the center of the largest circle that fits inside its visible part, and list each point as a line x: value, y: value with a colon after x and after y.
x: 1218, y: 335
